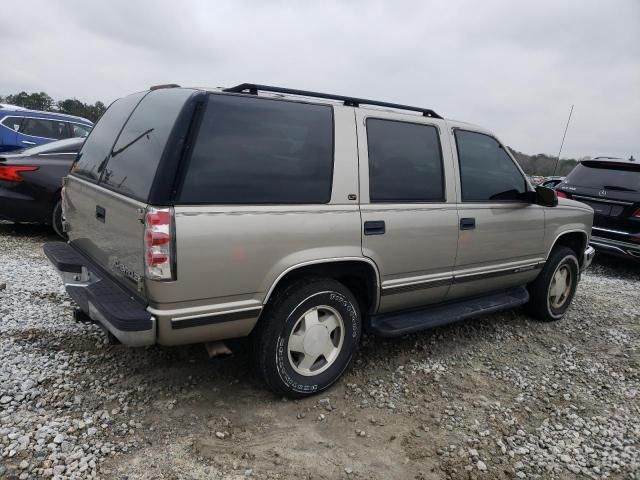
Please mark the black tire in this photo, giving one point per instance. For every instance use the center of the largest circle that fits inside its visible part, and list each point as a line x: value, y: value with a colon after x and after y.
x: 56, y: 220
x: 540, y: 304
x: 284, y: 311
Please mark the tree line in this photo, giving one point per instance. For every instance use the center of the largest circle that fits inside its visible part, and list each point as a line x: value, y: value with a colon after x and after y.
x: 540, y: 164
x: 42, y: 101
x: 545, y: 165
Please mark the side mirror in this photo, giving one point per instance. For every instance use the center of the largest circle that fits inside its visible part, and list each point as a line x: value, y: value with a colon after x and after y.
x: 545, y: 196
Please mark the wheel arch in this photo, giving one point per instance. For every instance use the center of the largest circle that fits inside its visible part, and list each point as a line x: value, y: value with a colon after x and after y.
x: 576, y: 240
x: 359, y: 274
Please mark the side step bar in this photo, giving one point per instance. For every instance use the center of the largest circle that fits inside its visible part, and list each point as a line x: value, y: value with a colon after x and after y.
x: 401, y: 323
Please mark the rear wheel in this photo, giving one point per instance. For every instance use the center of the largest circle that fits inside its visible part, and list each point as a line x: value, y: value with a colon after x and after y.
x: 307, y: 336
x: 553, y: 290
x: 56, y: 220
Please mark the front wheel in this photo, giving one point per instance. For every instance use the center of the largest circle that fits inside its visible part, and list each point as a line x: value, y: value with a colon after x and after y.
x: 307, y: 336
x: 553, y: 290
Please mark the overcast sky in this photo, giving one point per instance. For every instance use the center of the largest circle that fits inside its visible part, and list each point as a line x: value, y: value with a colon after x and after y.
x: 515, y: 67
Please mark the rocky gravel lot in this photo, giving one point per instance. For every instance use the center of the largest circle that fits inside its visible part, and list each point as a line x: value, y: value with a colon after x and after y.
x: 500, y: 397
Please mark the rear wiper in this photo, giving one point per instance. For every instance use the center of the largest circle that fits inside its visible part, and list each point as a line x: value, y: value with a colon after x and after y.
x: 620, y: 189
x: 120, y: 150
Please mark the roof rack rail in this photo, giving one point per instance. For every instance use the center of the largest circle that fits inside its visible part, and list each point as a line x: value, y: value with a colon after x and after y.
x: 164, y: 85
x: 253, y: 89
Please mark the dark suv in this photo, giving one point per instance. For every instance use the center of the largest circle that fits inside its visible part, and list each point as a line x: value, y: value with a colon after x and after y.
x: 611, y: 186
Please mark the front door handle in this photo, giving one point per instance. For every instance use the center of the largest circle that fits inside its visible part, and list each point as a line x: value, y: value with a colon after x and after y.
x: 27, y: 142
x: 376, y: 227
x: 467, y: 224
x: 101, y: 213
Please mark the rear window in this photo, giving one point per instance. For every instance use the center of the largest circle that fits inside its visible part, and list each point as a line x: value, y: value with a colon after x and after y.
x: 252, y: 150
x: 405, y: 162
x: 606, y: 175
x: 95, y: 151
x: 135, y: 156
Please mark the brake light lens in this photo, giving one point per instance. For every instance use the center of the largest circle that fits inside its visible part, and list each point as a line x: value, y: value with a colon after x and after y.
x: 11, y: 173
x: 158, y: 244
x: 636, y: 214
x: 562, y: 195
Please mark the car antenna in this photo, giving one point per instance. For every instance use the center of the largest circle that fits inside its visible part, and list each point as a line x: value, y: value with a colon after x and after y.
x: 562, y: 144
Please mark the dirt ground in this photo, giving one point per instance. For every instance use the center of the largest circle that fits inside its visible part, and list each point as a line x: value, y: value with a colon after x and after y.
x: 502, y: 396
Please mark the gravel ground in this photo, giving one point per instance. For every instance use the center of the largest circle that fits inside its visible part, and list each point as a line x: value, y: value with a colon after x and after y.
x: 499, y: 397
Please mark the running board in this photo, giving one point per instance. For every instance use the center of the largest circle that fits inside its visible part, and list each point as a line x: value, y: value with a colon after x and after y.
x: 401, y: 323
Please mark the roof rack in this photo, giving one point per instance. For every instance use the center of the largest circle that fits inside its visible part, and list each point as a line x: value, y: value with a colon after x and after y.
x: 164, y: 85
x: 253, y: 89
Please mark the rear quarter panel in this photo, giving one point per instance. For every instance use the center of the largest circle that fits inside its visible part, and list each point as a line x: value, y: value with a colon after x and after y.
x: 229, y: 256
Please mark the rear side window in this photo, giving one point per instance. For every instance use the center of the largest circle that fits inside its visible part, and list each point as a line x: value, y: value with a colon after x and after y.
x: 135, y: 157
x: 253, y: 150
x: 487, y: 172
x: 405, y: 162
x: 41, y: 127
x: 95, y: 151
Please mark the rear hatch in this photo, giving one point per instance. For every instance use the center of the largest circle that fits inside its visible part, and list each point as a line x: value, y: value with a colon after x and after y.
x: 612, y: 189
x: 115, y: 178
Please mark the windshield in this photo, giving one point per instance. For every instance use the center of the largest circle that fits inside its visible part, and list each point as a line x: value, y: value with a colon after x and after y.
x: 611, y: 176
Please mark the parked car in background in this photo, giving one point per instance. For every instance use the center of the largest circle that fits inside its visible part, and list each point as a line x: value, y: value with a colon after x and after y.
x: 552, y: 181
x: 22, y: 128
x: 6, y: 106
x: 611, y: 186
x: 201, y: 215
x: 31, y: 180
x: 536, y: 180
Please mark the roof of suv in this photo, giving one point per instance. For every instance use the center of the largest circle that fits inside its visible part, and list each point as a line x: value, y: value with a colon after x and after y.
x: 25, y: 112
x: 630, y: 160
x: 331, y: 99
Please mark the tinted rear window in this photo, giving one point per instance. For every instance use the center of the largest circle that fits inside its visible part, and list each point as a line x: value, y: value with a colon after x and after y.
x: 135, y: 157
x: 254, y: 150
x: 97, y: 147
x: 405, y: 162
x: 603, y: 175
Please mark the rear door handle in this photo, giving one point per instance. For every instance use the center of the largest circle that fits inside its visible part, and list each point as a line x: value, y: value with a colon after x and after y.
x: 27, y: 142
x: 467, y: 224
x: 376, y: 227
x: 101, y: 213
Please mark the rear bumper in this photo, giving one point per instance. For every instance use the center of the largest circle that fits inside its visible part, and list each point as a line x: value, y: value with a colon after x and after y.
x: 616, y: 247
x: 101, y: 298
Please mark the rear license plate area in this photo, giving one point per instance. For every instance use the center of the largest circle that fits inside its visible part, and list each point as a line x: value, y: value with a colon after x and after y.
x: 600, y: 208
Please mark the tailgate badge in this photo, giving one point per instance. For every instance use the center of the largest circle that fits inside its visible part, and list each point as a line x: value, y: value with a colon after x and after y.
x: 117, y: 266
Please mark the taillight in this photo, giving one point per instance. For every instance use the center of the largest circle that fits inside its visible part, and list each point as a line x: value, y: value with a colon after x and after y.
x: 158, y: 244
x: 562, y: 195
x: 636, y: 214
x: 11, y: 173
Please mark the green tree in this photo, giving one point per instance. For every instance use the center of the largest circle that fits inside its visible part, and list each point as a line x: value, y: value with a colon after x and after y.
x: 34, y: 101
x: 542, y: 164
x: 73, y: 106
